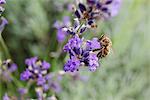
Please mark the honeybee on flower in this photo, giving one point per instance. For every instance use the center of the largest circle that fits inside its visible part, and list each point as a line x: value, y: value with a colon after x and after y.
x: 106, y: 45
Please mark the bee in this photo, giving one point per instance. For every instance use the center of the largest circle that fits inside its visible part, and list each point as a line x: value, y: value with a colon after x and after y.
x: 106, y: 45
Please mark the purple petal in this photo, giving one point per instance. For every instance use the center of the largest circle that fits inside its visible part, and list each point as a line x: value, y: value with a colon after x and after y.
x: 45, y: 65
x: 5, y: 97
x: 4, y: 22
x: 41, y: 81
x: 13, y: 68
x: 25, y: 75
x: 22, y: 91
x: 2, y: 1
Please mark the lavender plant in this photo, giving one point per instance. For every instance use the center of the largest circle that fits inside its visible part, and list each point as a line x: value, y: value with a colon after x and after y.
x: 81, y: 51
x: 3, y: 23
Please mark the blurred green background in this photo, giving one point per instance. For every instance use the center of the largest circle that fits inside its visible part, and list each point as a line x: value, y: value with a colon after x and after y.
x: 124, y: 75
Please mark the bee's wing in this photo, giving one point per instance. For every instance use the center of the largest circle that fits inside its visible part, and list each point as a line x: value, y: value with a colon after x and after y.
x: 112, y: 51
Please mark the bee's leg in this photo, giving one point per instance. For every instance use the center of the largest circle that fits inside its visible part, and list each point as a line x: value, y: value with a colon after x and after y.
x: 99, y: 55
x: 96, y: 50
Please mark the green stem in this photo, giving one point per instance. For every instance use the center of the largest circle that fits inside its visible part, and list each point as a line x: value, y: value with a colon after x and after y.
x: 79, y: 28
x: 4, y: 48
x: 16, y: 81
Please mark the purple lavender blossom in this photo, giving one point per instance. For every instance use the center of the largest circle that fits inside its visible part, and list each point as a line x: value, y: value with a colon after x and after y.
x: 72, y: 64
x: 7, y: 67
x: 75, y: 41
x: 108, y: 8
x: 57, y: 24
x: 93, y: 61
x: 2, y: 1
x: 70, y: 7
x: 80, y: 54
x: 5, y: 97
x: 92, y: 44
x: 41, y: 81
x: 25, y: 75
x: 45, y: 87
x: 36, y: 69
x: 49, y: 82
x: 97, y: 9
x: 22, y: 91
x: 114, y: 9
x: 61, y: 35
x: 66, y: 21
x: 3, y: 23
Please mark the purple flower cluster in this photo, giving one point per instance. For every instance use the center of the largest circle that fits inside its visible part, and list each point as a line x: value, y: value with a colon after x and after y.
x: 36, y: 69
x: 97, y: 9
x: 7, y: 97
x: 81, y: 53
x: 86, y: 15
x: 107, y: 8
x: 7, y: 67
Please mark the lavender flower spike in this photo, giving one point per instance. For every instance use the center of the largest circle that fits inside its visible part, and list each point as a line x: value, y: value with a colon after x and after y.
x: 5, y: 97
x: 35, y: 69
x: 81, y: 53
x: 7, y: 67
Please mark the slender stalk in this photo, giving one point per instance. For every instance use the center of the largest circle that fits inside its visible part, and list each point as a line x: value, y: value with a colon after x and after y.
x: 4, y: 48
x: 59, y: 48
x: 79, y: 28
x: 16, y: 81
